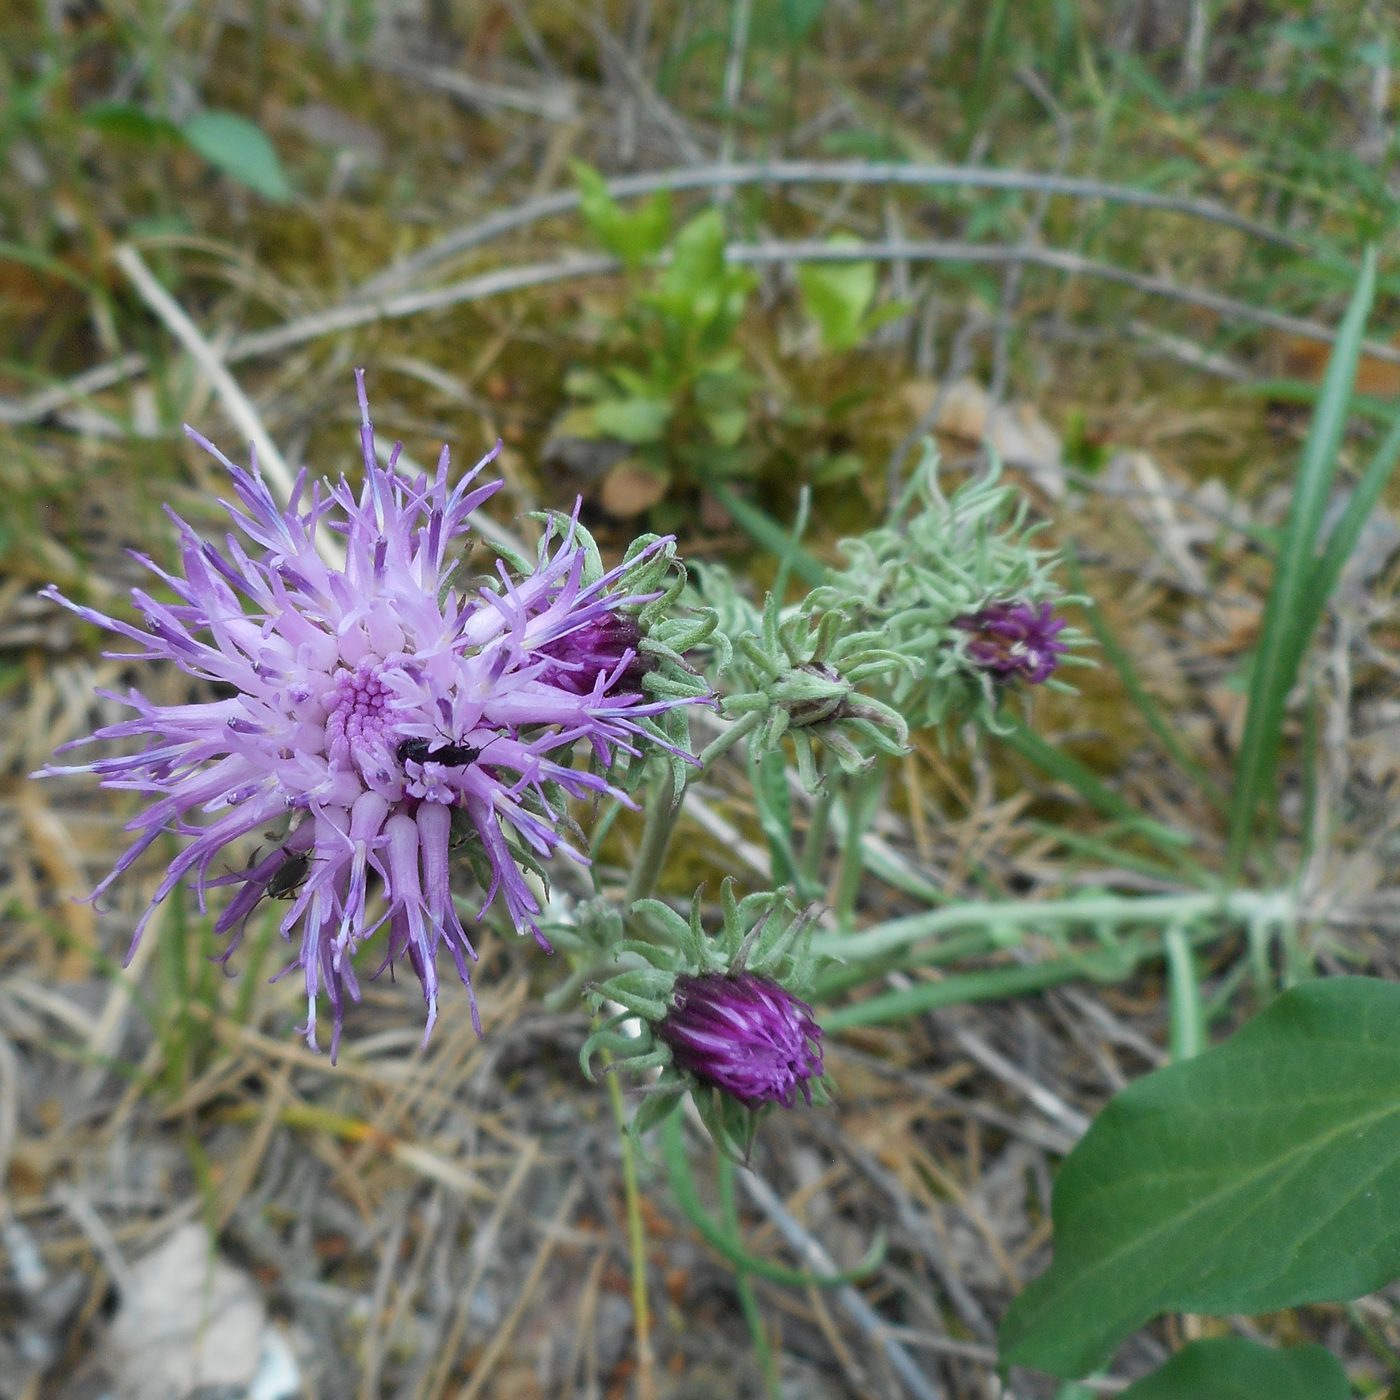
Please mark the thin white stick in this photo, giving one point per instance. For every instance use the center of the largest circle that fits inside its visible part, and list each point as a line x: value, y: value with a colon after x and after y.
x: 237, y: 404
x: 511, y: 279
x: 817, y: 172
x: 875, y: 1327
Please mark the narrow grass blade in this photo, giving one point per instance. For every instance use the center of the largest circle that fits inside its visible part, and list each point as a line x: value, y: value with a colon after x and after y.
x: 992, y: 985
x: 764, y: 530
x: 1108, y: 853
x: 1117, y: 657
x: 743, y: 1285
x: 1282, y: 640
x: 1074, y: 774
x: 729, y: 1245
x: 1347, y: 531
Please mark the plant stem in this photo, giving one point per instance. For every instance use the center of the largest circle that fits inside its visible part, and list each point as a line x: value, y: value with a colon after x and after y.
x: 663, y: 807
x: 662, y: 810
x: 862, y: 799
x: 743, y: 1284
x: 636, y: 1241
x: 725, y: 742
x: 814, y: 845
x: 1250, y: 906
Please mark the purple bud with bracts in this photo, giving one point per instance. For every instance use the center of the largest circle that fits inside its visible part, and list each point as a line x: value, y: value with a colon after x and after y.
x: 600, y: 646
x: 1014, y: 639
x: 744, y: 1035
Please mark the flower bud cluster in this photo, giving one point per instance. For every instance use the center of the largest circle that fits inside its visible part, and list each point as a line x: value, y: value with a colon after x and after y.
x: 801, y: 670
x: 719, y: 1016
x: 955, y: 586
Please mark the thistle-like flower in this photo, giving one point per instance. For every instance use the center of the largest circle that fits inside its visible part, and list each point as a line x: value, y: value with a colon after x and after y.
x: 745, y: 1035
x: 373, y: 716
x: 1010, y: 640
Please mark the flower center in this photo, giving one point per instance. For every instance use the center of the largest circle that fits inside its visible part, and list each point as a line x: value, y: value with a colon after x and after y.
x: 359, y: 714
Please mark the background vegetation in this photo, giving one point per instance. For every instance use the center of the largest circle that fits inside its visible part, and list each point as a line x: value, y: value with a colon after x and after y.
x: 683, y: 259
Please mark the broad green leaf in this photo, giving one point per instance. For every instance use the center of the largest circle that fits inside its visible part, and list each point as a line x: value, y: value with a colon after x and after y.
x: 240, y: 150
x: 1230, y: 1368
x: 837, y: 296
x: 583, y: 383
x: 633, y: 420
x: 599, y: 209
x: 726, y: 425
x: 697, y: 259
x: 1262, y: 1174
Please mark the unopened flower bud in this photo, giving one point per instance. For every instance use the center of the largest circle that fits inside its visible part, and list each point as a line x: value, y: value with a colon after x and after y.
x: 745, y: 1035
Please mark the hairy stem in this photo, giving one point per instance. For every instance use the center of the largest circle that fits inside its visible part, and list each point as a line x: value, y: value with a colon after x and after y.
x: 636, y: 1241
x: 664, y: 806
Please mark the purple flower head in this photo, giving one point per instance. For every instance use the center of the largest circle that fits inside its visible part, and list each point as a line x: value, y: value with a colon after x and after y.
x: 745, y: 1035
x: 373, y: 713
x: 604, y: 644
x: 1014, y: 639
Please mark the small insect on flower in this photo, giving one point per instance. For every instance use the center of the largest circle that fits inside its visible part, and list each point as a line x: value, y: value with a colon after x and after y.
x: 449, y: 755
x: 327, y: 675
x: 287, y: 879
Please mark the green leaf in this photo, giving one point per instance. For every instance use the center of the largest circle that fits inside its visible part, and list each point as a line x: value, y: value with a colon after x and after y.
x: 1345, y: 533
x: 128, y: 122
x: 1257, y: 1176
x: 634, y: 236
x: 726, y: 425
x: 1282, y: 641
x: 799, y: 16
x: 1230, y: 1368
x: 837, y: 296
x: 647, y: 228
x: 238, y: 148
x: 697, y: 259
x: 633, y: 420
